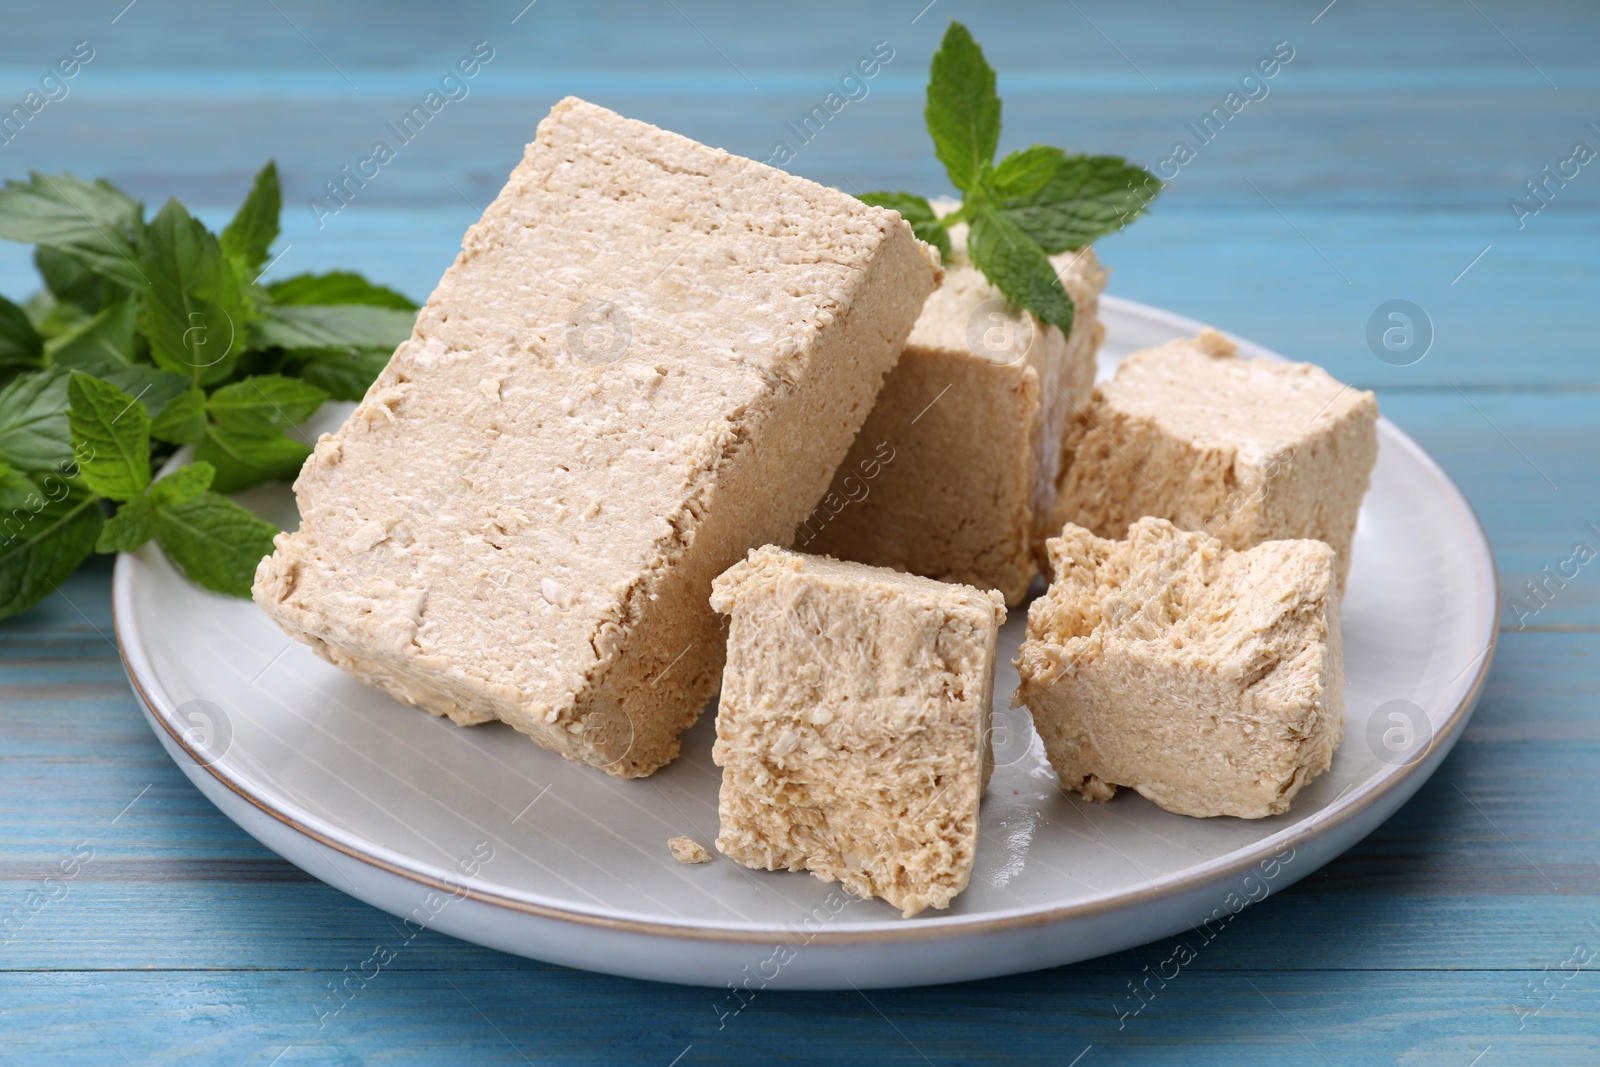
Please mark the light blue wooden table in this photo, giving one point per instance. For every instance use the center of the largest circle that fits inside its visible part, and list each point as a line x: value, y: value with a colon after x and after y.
x: 1378, y: 167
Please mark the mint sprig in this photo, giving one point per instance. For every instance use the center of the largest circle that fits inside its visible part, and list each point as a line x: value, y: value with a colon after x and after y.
x: 148, y: 335
x: 208, y: 536
x: 1034, y: 203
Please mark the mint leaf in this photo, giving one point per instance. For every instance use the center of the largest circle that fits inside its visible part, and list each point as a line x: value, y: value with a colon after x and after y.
x: 264, y: 404
x: 93, y: 222
x: 963, y: 112
x: 106, y: 339
x: 132, y: 525
x: 344, y: 326
x: 195, y: 314
x: 1019, y: 268
x: 15, y: 488
x: 34, y: 433
x: 69, y: 281
x: 1086, y: 198
x: 45, y: 535
x: 111, y: 432
x: 165, y: 395
x: 1026, y: 172
x: 337, y: 287
x: 153, y: 387
x: 214, y: 542
x: 242, y: 459
x: 183, y: 420
x: 51, y: 317
x: 252, y: 231
x: 183, y: 484
x: 918, y: 213
x: 20, y: 344
x: 343, y: 373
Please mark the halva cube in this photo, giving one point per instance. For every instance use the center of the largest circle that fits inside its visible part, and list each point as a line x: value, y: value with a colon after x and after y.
x: 954, y: 474
x: 1207, y: 679
x: 649, y: 357
x: 853, y: 726
x: 1244, y: 449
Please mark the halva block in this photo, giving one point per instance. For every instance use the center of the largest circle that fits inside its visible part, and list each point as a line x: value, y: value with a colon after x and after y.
x: 853, y: 726
x: 1244, y: 449
x: 1207, y: 679
x: 649, y: 357
x: 954, y: 474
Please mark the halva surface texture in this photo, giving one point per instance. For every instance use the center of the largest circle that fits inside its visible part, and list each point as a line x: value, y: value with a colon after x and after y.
x: 1243, y: 449
x: 648, y: 357
x: 852, y: 730
x: 1207, y: 679
x: 954, y: 474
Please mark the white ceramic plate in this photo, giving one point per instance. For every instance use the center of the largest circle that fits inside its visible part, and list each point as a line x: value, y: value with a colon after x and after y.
x: 480, y: 834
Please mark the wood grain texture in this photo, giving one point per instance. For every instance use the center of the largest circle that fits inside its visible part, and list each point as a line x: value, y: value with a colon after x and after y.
x: 1378, y: 167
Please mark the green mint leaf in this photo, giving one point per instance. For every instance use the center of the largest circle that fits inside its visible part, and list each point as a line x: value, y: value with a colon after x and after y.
x: 242, y: 460
x: 1085, y: 199
x: 917, y: 212
x: 38, y: 308
x: 183, y: 484
x: 1019, y: 268
x: 1026, y: 172
x: 51, y: 317
x: 183, y: 420
x: 46, y: 532
x: 93, y: 222
x: 337, y: 287
x: 251, y: 233
x: 34, y: 432
x: 195, y: 314
x: 21, y: 347
x: 107, y: 339
x: 344, y: 326
x: 155, y: 388
x: 70, y: 281
x: 343, y: 373
x: 111, y: 433
x: 15, y: 488
x: 215, y: 542
x: 963, y: 112
x: 264, y: 404
x: 132, y: 525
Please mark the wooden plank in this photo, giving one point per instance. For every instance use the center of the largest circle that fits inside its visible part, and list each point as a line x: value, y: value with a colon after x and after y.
x: 1526, y: 462
x: 522, y: 1016
x: 1369, y: 111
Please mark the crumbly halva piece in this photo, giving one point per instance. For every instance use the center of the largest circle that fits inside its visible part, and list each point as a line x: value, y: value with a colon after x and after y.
x: 1246, y: 450
x: 954, y: 474
x: 649, y: 356
x: 1205, y: 678
x: 853, y: 727
x: 688, y: 850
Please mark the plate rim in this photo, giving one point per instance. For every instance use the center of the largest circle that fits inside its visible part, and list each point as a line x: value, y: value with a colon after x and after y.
x: 147, y: 688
